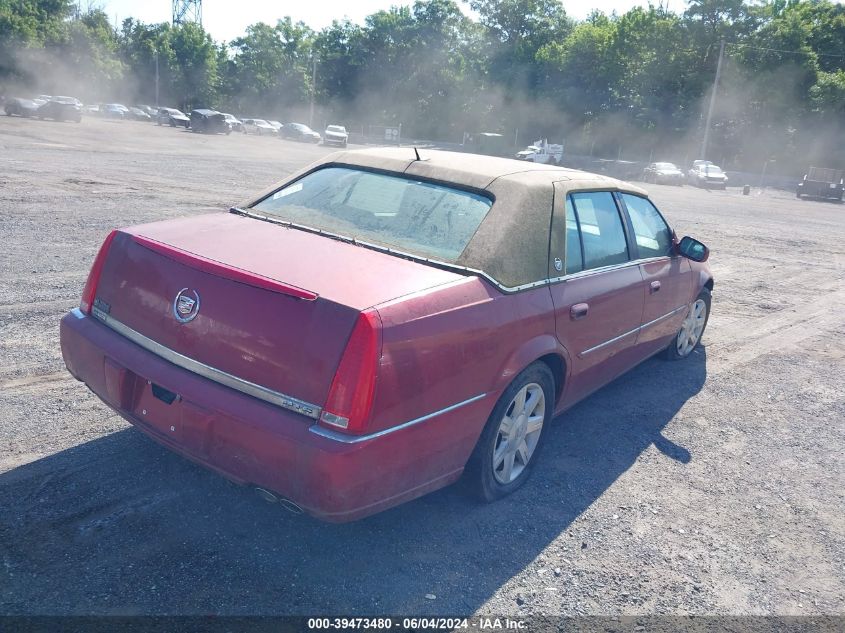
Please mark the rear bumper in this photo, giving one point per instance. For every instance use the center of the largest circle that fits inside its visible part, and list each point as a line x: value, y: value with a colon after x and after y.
x: 256, y: 443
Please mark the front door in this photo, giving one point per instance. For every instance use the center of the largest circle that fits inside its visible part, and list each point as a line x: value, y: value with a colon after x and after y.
x: 667, y: 276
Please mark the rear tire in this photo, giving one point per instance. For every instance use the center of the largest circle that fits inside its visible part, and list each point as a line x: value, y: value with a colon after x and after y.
x: 692, y: 329
x: 510, y: 443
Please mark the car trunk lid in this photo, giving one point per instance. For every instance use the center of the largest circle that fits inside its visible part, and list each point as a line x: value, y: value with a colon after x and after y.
x: 261, y: 303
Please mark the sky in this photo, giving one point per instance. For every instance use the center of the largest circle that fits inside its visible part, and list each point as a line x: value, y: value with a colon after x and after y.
x: 228, y: 19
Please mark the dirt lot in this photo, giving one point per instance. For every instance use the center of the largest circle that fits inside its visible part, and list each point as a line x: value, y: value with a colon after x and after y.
x: 711, y: 486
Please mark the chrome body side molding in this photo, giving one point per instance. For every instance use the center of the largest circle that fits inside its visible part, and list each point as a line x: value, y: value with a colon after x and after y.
x: 634, y: 331
x: 354, y: 439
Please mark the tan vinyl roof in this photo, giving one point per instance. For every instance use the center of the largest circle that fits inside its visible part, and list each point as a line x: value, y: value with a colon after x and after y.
x: 511, y: 245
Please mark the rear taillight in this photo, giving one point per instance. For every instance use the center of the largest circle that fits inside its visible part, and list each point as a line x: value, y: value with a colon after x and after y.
x: 90, y: 289
x: 350, y: 401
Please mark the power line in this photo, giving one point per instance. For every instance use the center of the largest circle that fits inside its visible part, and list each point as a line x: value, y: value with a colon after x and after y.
x: 780, y: 50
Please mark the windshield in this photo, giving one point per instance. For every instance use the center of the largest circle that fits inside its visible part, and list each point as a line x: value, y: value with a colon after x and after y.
x: 336, y: 128
x: 665, y: 166
x: 712, y: 169
x: 418, y: 217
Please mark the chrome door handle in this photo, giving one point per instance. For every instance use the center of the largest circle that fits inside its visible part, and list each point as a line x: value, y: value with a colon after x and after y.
x: 579, y: 311
x: 655, y: 286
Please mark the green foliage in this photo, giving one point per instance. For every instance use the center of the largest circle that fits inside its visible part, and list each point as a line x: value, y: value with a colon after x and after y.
x: 644, y: 76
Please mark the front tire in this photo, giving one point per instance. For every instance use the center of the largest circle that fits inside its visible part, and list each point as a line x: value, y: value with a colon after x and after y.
x: 511, y: 440
x: 692, y: 329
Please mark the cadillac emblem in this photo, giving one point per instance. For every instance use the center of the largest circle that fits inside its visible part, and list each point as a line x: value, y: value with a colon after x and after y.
x: 186, y: 305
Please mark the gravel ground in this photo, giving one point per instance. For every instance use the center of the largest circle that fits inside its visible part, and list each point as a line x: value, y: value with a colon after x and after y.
x: 710, y: 486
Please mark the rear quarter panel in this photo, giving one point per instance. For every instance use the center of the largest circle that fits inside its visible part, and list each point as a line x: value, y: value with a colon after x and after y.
x: 450, y: 344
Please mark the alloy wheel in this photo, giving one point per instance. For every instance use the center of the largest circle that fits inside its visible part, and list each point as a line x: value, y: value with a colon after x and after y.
x: 692, y: 327
x: 518, y: 433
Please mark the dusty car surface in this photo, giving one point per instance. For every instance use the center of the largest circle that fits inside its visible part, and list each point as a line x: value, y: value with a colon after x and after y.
x: 706, y: 174
x: 20, y: 107
x: 335, y: 135
x: 375, y: 325
x: 663, y: 173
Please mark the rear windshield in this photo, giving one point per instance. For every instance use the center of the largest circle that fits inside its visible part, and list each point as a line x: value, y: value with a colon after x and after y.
x: 420, y: 218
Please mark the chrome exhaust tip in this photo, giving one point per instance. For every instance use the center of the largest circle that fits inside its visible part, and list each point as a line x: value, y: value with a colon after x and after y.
x: 272, y: 497
x: 290, y: 506
x: 268, y: 496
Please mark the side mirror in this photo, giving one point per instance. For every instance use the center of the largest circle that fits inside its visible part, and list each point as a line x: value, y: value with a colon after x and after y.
x: 693, y: 249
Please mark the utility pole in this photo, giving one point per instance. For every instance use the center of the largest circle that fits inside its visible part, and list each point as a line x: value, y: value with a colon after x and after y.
x: 704, y: 141
x: 313, y: 88
x: 156, y: 58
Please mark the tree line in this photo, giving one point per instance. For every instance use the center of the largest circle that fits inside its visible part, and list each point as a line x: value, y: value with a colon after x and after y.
x: 632, y: 86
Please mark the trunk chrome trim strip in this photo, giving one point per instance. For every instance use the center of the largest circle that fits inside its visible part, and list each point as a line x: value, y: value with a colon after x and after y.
x: 634, y: 331
x: 355, y: 439
x: 206, y: 371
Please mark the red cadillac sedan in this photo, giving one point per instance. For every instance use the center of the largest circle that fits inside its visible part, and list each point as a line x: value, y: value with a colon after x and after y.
x: 381, y: 323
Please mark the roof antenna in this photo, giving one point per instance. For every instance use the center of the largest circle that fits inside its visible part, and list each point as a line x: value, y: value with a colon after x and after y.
x: 417, y: 153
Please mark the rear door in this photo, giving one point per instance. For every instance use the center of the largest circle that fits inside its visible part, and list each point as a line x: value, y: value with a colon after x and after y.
x: 667, y: 276
x: 597, y: 293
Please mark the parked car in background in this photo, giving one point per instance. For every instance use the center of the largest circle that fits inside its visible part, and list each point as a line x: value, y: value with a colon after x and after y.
x: 44, y: 98
x: 707, y: 175
x: 663, y: 174
x: 258, y: 126
x: 276, y: 125
x: 234, y: 122
x: 542, y: 152
x: 209, y: 122
x: 173, y: 118
x: 283, y: 344
x: 137, y: 114
x: 148, y: 109
x: 822, y: 182
x: 300, y: 132
x: 114, y: 111
x: 17, y: 106
x: 335, y: 135
x: 61, y: 109
x: 91, y: 108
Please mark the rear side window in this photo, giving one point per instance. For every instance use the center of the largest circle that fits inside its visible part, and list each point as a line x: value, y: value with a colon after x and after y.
x: 418, y: 217
x: 574, y: 261
x: 653, y: 237
x: 602, y: 234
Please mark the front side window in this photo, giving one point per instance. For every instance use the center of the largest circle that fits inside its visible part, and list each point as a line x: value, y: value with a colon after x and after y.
x: 421, y: 218
x: 602, y: 233
x: 653, y: 236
